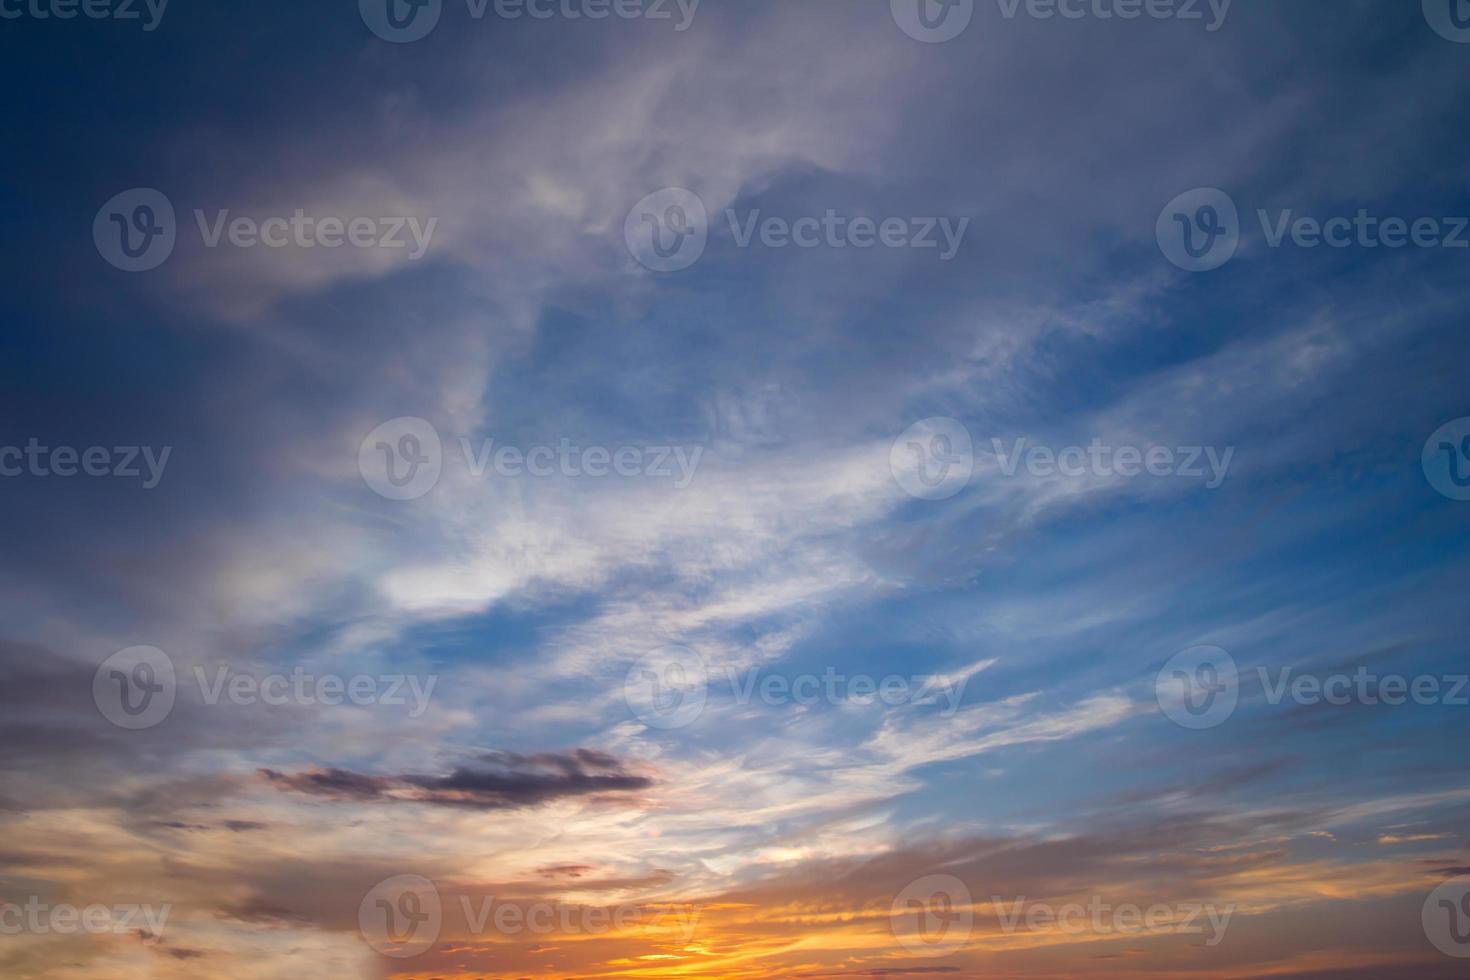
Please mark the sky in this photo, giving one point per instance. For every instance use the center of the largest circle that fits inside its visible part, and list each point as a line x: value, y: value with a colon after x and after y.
x: 781, y: 488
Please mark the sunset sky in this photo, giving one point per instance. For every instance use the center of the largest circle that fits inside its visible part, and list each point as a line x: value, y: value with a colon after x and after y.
x: 768, y: 649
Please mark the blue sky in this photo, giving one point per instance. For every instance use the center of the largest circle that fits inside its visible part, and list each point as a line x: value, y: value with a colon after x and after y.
x: 787, y: 379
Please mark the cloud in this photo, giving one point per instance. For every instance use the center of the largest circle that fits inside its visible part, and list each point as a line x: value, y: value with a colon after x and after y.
x: 497, y: 781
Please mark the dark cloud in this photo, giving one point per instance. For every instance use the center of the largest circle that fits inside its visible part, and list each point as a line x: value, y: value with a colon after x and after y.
x: 186, y: 954
x: 564, y: 870
x: 498, y: 781
x: 336, y: 783
x: 242, y: 826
